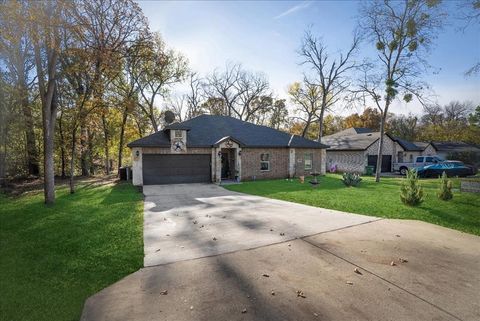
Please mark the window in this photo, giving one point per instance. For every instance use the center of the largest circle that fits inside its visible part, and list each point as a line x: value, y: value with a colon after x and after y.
x: 308, y: 160
x: 411, y: 158
x: 264, y: 162
x: 178, y: 134
x: 419, y: 160
x: 429, y: 159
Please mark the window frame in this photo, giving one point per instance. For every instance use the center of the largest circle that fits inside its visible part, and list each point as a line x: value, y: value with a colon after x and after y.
x: 419, y: 159
x: 265, y: 161
x: 305, y: 161
x: 177, y: 133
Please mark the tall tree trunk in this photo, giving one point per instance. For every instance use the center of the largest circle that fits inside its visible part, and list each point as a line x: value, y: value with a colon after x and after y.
x: 84, y: 149
x: 307, y: 124
x: 48, y: 93
x: 62, y: 146
x: 105, y: 144
x: 380, y: 145
x: 72, y: 160
x: 90, y: 151
x: 320, y: 125
x: 122, y: 134
x: 49, y: 115
x: 3, y: 149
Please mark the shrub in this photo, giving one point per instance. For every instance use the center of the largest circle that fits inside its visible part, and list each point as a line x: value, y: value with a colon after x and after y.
x: 351, y: 179
x: 411, y: 193
x: 445, y: 190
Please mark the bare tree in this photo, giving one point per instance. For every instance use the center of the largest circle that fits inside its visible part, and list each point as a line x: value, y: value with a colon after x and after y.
x: 195, y: 97
x: 432, y: 114
x: 307, y: 97
x: 239, y: 89
x: 458, y: 111
x: 329, y: 74
x: 402, y: 32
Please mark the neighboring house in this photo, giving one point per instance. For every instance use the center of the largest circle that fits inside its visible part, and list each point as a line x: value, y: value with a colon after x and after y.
x: 407, y: 151
x: 352, y: 149
x: 447, y: 150
x: 211, y: 148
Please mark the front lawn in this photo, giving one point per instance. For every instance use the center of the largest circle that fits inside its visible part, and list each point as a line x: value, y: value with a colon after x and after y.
x: 383, y: 199
x: 53, y: 258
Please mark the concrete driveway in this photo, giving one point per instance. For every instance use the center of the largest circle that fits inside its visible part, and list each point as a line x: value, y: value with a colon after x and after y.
x: 187, y: 221
x: 341, y: 267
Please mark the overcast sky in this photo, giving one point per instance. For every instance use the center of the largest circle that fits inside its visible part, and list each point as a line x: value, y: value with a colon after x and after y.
x: 264, y: 36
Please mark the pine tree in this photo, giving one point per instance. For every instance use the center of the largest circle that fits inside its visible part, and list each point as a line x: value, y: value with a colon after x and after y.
x: 411, y: 192
x: 445, y: 190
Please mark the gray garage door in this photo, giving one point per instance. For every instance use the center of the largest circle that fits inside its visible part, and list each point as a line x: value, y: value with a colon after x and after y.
x: 175, y: 169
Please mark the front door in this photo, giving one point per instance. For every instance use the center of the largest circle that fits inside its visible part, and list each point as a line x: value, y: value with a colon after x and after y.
x: 225, y: 165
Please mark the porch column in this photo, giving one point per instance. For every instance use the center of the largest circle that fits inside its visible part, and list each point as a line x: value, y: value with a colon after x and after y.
x: 291, y: 162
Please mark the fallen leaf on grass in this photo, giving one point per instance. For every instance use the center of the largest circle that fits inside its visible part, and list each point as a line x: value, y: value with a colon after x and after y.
x: 349, y: 282
x: 244, y: 311
x: 356, y: 270
x: 301, y: 294
x: 164, y: 292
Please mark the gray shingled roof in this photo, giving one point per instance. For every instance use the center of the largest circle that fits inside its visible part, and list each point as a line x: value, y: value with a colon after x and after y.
x: 454, y: 147
x: 206, y: 130
x: 351, y: 142
x: 407, y: 145
x: 422, y: 145
x: 353, y: 131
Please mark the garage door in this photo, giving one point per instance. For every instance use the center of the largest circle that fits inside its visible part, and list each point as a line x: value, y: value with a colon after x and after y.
x: 386, y: 162
x: 175, y: 169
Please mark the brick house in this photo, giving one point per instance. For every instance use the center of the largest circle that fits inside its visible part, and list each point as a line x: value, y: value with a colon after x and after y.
x: 212, y: 148
x: 352, y: 149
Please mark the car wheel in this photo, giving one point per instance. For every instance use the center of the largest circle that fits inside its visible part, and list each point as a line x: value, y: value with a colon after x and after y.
x: 403, y: 171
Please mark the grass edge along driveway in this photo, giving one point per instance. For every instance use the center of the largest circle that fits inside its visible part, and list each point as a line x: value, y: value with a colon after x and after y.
x: 52, y: 258
x: 375, y: 199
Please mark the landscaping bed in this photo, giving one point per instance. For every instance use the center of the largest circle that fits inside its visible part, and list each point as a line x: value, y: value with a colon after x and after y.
x: 52, y: 258
x: 375, y: 199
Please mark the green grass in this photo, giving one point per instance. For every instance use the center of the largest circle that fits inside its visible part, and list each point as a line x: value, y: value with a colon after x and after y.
x: 375, y: 199
x: 53, y: 258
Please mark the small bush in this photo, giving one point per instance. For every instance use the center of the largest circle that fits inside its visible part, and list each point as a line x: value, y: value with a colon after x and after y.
x: 445, y: 191
x: 351, y: 179
x: 411, y: 192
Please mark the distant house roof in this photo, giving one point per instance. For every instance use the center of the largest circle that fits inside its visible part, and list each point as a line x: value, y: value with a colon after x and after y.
x: 351, y: 142
x: 422, y: 145
x: 353, y: 131
x: 207, y: 130
x: 409, y: 146
x: 454, y: 147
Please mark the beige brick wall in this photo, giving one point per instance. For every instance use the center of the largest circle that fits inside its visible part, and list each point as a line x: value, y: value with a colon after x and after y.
x: 251, y: 163
x: 347, y: 161
x: 388, y: 148
x: 429, y: 151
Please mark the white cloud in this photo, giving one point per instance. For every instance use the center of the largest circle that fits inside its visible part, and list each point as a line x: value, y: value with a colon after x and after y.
x: 303, y: 5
